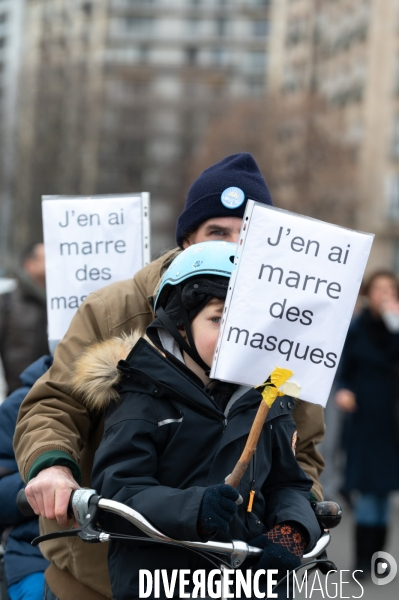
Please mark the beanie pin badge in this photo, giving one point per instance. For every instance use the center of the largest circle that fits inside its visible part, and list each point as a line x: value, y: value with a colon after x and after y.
x: 232, y: 197
x: 197, y: 264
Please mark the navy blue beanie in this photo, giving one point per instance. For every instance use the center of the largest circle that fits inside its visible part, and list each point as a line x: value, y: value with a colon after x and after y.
x: 222, y: 190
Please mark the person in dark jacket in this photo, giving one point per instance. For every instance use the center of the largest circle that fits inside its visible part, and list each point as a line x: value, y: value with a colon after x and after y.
x: 23, y: 318
x: 368, y: 393
x: 24, y: 565
x: 174, y: 435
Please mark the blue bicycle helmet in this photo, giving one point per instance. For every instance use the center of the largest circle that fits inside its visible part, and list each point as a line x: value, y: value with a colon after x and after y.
x: 209, y: 258
x: 199, y: 273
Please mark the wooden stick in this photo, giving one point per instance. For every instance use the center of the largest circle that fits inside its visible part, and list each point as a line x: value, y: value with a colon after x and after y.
x: 270, y: 389
x: 235, y: 477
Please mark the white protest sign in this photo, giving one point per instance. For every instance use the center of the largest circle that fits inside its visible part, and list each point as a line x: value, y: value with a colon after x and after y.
x: 290, y: 300
x: 90, y: 242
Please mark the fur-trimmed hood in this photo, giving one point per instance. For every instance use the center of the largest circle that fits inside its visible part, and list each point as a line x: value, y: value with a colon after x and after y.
x: 95, y: 373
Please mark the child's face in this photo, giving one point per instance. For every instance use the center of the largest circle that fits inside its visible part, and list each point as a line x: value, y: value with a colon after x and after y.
x: 205, y: 329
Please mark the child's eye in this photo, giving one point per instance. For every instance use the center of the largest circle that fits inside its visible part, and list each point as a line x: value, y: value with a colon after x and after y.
x: 216, y: 319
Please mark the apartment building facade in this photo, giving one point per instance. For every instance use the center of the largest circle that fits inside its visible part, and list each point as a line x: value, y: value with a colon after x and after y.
x: 116, y: 95
x: 346, y: 52
x: 11, y: 22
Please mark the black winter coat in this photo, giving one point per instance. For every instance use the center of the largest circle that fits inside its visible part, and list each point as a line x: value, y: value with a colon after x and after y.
x: 369, y: 368
x: 167, y: 440
x: 23, y: 330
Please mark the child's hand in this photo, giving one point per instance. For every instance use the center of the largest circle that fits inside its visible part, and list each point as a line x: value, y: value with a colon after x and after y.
x: 283, y: 547
x: 217, y: 509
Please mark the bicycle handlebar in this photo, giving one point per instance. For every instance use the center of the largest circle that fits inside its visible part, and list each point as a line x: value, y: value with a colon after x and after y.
x: 83, y: 501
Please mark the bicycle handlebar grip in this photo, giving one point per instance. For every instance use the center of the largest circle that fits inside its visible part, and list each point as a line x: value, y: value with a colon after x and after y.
x: 27, y: 510
x: 328, y: 513
x: 23, y: 504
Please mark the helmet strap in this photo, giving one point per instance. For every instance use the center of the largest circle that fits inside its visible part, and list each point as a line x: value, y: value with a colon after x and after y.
x: 190, y: 348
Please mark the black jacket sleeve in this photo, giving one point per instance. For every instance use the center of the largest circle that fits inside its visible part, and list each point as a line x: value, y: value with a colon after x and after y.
x: 287, y: 488
x: 125, y: 470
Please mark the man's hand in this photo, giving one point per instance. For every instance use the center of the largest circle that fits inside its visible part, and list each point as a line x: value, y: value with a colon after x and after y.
x: 48, y: 493
x: 346, y: 400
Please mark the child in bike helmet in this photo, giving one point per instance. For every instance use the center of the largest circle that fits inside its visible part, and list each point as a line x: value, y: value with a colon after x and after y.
x: 172, y: 436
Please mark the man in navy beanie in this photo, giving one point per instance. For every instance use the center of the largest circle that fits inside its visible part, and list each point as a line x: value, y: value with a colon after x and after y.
x: 220, y: 191
x: 56, y: 436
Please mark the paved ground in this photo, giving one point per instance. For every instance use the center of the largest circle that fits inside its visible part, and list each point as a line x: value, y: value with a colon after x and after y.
x: 340, y: 551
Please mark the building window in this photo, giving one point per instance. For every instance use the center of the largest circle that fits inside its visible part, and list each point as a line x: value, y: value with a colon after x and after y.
x: 397, y: 75
x: 194, y: 89
x: 297, y: 31
x: 257, y: 61
x: 260, y: 28
x: 260, y: 3
x: 217, y: 90
x: 194, y: 26
x: 256, y: 89
x: 191, y: 56
x: 221, y: 26
x: 395, y: 138
x: 142, y: 25
x: 141, y: 2
x: 144, y: 52
x: 87, y: 8
x: 395, y: 265
x: 218, y: 56
x: 393, y: 197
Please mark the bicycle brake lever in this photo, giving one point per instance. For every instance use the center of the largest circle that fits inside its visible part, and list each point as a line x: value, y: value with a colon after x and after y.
x: 88, y: 532
x: 84, y: 504
x: 54, y: 535
x: 92, y: 535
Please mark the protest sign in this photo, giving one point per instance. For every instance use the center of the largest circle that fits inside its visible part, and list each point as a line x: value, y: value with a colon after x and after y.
x: 90, y: 242
x: 290, y: 300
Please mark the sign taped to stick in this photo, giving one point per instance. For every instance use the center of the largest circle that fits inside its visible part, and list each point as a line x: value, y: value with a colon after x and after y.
x: 90, y: 242
x: 290, y: 300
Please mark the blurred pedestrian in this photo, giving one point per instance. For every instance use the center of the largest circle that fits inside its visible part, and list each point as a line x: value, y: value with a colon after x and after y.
x: 24, y: 564
x: 368, y: 394
x: 331, y: 446
x: 23, y: 318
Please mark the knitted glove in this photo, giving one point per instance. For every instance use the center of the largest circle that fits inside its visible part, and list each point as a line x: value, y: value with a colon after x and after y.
x: 217, y: 509
x: 283, y: 547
